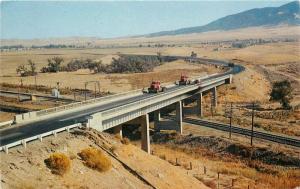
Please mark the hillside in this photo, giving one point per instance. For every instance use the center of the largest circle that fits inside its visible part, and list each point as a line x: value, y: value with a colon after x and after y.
x: 26, y: 169
x: 287, y: 14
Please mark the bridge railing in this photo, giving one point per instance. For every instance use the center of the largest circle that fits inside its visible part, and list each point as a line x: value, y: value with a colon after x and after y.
x: 36, y: 114
x: 38, y: 137
x: 91, y: 101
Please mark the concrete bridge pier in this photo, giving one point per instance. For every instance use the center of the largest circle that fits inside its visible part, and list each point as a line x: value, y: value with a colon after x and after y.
x: 179, y: 117
x: 145, y: 132
x: 200, y: 105
x: 33, y: 97
x: 117, y: 130
x: 156, y: 120
x: 214, y: 97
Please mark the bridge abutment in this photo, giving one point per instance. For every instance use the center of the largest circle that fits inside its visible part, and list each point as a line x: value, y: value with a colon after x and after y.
x: 145, y: 132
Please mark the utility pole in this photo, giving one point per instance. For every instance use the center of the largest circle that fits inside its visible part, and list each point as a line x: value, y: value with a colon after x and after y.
x: 95, y: 90
x: 85, y: 90
x: 252, y: 124
x: 230, y: 120
x: 96, y: 83
x: 57, y: 83
x: 35, y: 82
x: 19, y: 91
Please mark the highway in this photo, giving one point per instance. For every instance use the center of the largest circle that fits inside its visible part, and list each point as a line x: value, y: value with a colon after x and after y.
x: 20, y: 132
x: 243, y: 131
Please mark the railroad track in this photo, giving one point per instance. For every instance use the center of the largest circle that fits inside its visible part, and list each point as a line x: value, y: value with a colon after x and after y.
x: 247, y: 132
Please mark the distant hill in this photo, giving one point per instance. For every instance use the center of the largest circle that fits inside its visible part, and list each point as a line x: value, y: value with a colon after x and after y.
x: 288, y: 14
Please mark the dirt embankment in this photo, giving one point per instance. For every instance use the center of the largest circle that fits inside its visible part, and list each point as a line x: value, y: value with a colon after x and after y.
x: 130, y: 166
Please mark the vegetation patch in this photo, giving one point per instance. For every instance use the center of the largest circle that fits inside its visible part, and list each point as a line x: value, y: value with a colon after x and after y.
x: 282, y: 92
x: 95, y: 159
x: 125, y: 141
x: 215, y: 145
x: 59, y: 163
x: 29, y: 70
x: 123, y: 64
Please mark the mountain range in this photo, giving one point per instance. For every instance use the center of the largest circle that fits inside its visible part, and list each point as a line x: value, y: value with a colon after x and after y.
x: 288, y: 14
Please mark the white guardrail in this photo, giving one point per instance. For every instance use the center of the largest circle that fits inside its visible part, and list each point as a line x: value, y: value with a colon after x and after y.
x: 6, y: 123
x: 91, y: 101
x: 38, y: 137
x: 36, y: 114
x: 150, y: 100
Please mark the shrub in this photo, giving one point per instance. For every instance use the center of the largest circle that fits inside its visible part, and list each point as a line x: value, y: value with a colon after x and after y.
x: 54, y: 65
x: 59, y: 163
x: 25, y: 71
x: 95, y: 159
x: 113, y: 149
x: 282, y: 92
x: 125, y: 141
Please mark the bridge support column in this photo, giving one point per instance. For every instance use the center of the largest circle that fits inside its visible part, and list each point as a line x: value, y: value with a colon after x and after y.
x: 156, y: 120
x: 199, y: 105
x: 214, y: 97
x: 145, y: 133
x: 179, y: 116
x: 118, y: 131
x: 183, y: 108
x: 33, y: 97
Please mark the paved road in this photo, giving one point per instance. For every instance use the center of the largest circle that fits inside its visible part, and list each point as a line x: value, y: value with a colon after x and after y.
x: 18, y: 133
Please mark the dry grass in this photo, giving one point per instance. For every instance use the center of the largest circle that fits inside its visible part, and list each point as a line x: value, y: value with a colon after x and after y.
x: 261, y: 174
x: 111, y: 82
x: 95, y: 159
x: 117, y: 136
x: 59, y: 163
x: 113, y: 149
x: 210, y: 183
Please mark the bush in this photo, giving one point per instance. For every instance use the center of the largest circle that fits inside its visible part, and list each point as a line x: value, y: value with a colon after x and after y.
x: 282, y: 92
x: 59, y: 163
x: 125, y: 141
x: 134, y: 64
x: 25, y: 71
x: 95, y: 159
x: 54, y: 65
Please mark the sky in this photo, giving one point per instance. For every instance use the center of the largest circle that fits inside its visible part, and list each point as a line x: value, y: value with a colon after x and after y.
x: 109, y: 19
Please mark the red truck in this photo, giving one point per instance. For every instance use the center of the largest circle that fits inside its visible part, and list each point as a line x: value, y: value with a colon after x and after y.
x: 156, y: 87
x: 184, y: 80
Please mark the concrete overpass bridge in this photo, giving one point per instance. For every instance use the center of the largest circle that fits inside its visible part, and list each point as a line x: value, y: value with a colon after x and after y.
x: 113, y: 111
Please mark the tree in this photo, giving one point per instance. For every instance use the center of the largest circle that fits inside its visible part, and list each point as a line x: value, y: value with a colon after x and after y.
x: 159, y: 56
x: 32, y: 67
x: 22, y: 70
x: 54, y: 64
x: 282, y: 92
x: 193, y: 55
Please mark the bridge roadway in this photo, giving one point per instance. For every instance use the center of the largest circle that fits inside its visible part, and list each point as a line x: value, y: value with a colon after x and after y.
x: 20, y: 132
